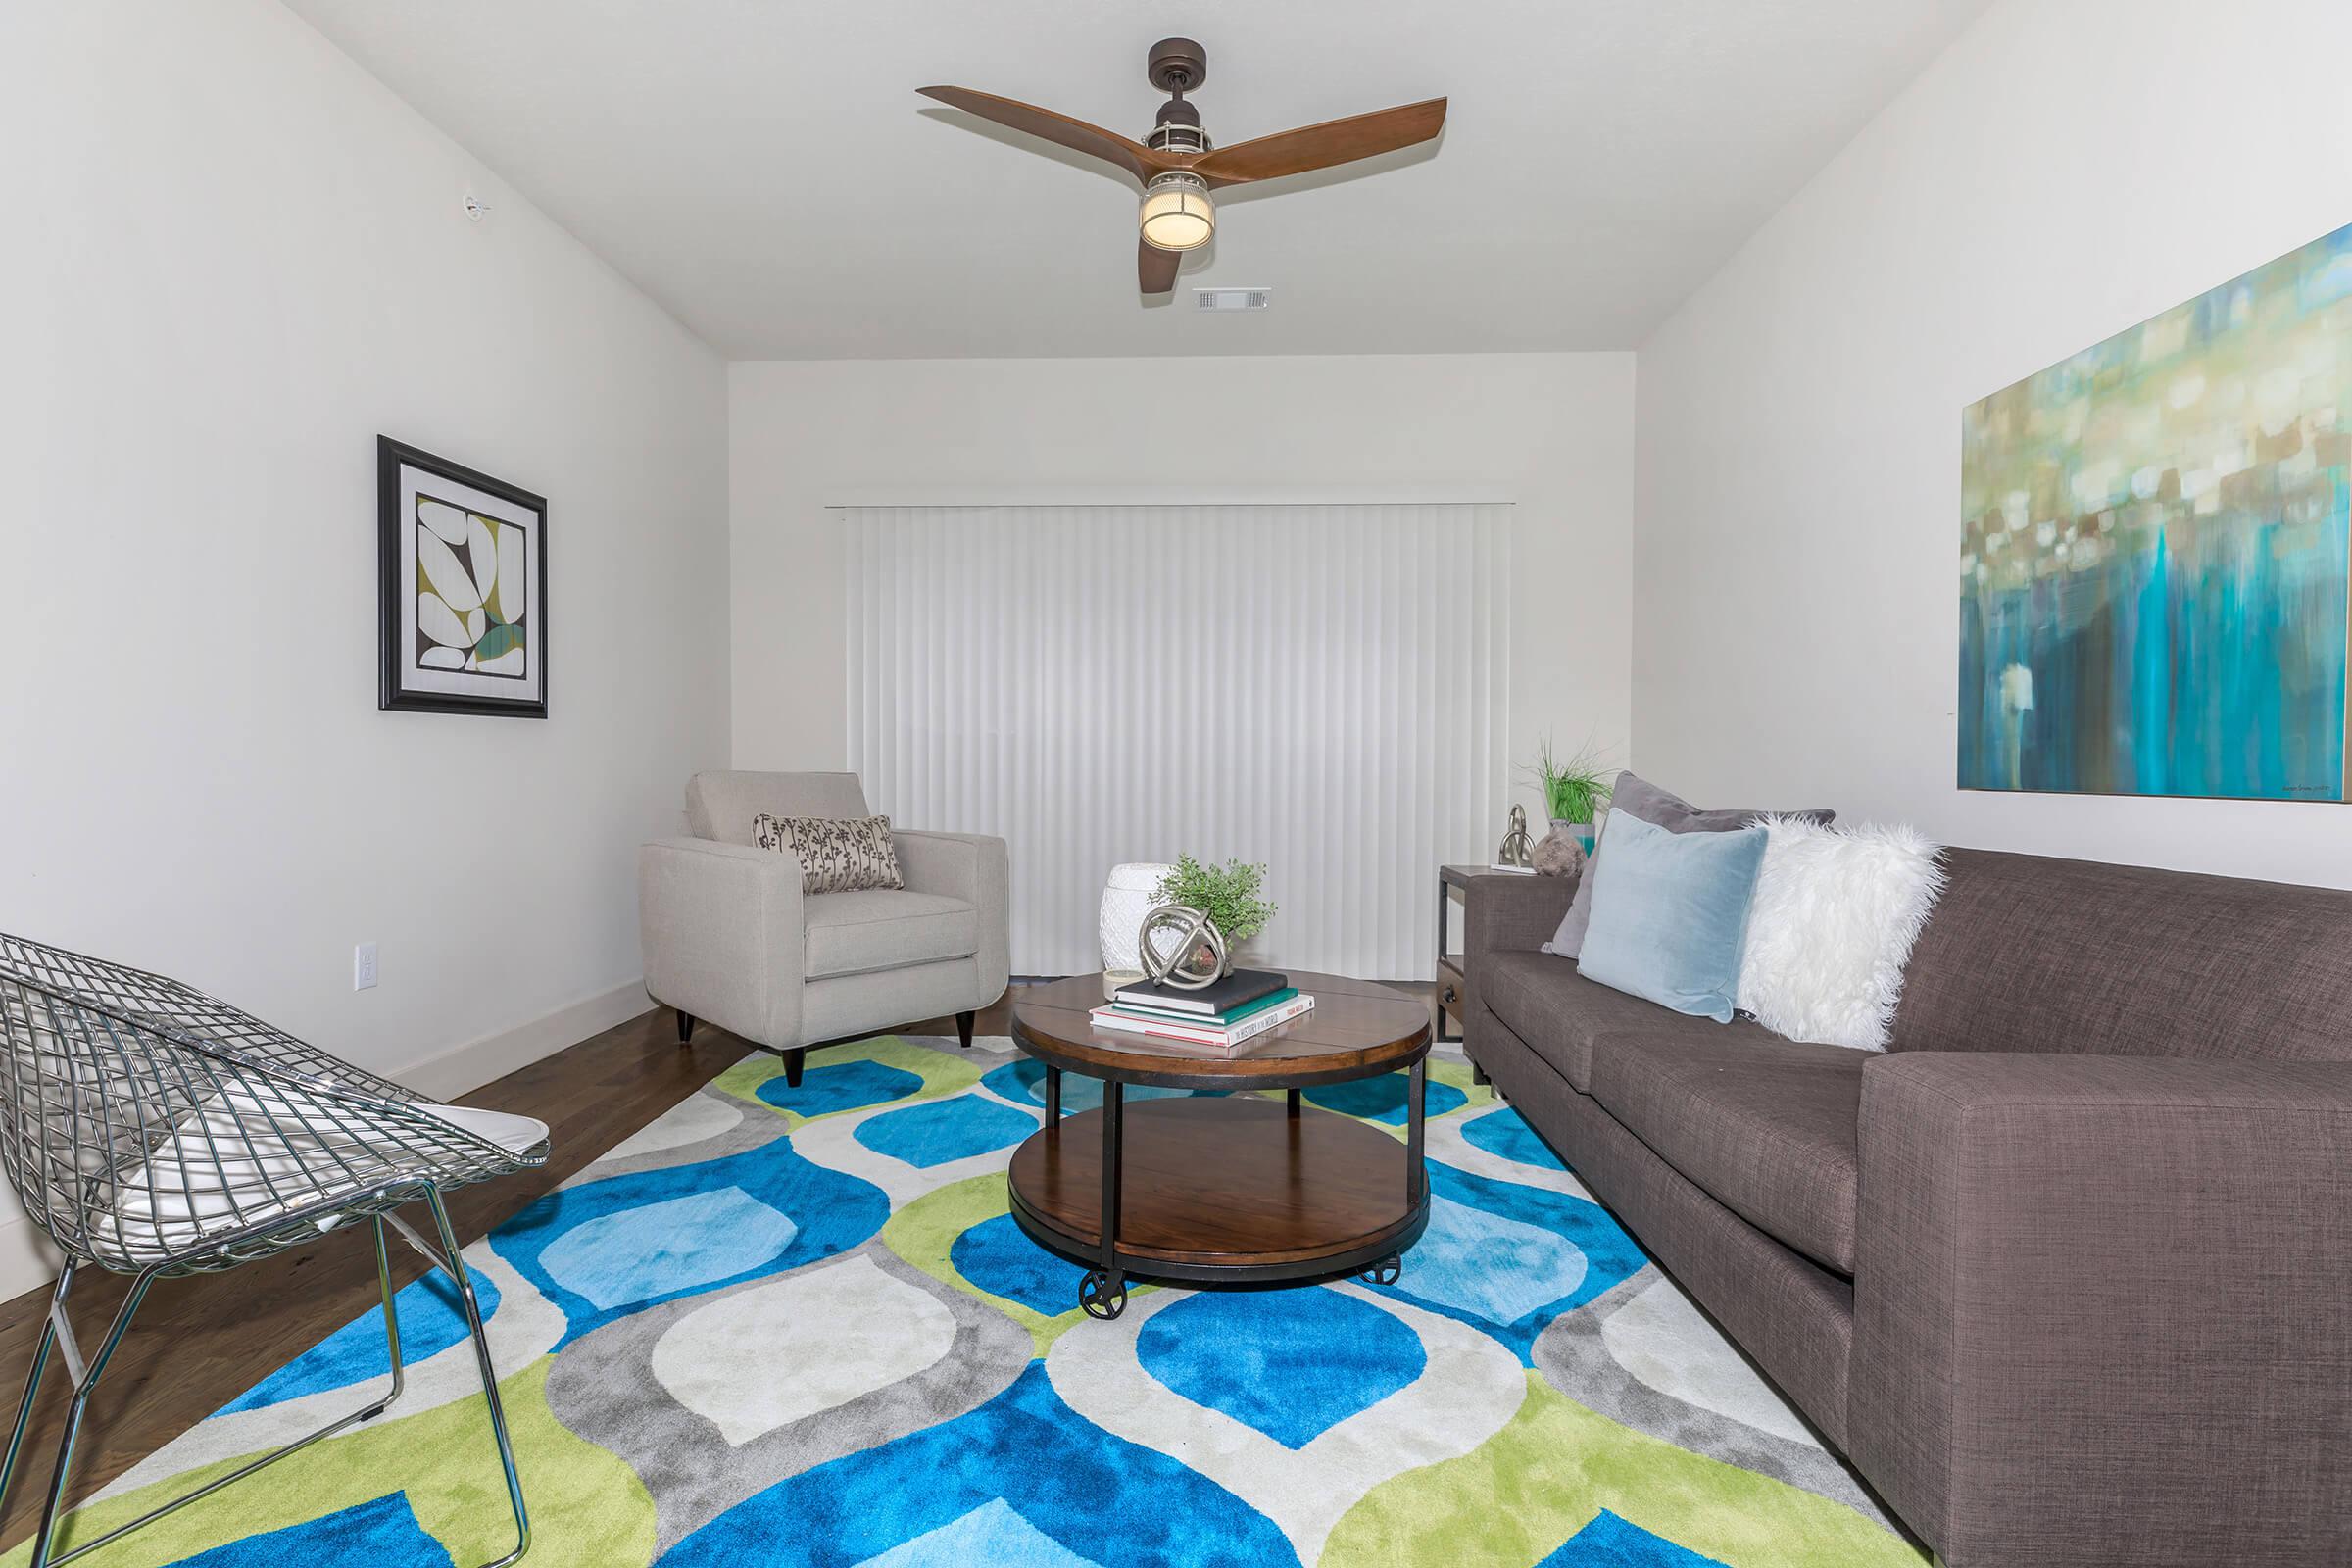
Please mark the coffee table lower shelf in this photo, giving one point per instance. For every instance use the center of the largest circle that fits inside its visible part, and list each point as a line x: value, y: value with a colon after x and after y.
x: 1222, y: 1190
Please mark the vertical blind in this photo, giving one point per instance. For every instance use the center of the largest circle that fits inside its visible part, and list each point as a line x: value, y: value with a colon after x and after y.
x: 1320, y: 688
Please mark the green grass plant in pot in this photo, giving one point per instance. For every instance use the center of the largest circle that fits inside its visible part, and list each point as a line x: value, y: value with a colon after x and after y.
x: 1575, y: 790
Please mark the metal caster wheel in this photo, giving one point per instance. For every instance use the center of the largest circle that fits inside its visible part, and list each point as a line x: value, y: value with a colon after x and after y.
x: 1388, y: 1271
x: 1101, y: 1295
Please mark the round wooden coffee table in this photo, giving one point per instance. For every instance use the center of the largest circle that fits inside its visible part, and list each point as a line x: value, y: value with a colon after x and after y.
x: 1223, y: 1189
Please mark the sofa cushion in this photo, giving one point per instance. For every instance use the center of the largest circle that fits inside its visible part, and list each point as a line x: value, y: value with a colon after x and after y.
x: 877, y: 928
x: 1670, y: 913
x: 1560, y: 1013
x: 1768, y: 1127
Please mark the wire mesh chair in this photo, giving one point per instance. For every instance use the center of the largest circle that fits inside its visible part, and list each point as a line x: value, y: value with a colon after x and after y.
x: 153, y: 1130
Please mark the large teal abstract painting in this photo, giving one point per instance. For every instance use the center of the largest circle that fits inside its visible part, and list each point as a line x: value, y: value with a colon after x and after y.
x: 2154, y: 552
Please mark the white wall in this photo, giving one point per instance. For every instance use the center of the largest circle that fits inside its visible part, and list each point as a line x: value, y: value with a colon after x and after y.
x: 231, y: 260
x: 2062, y: 172
x: 1551, y: 432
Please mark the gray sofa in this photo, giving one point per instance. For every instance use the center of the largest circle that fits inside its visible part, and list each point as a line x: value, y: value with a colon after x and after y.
x: 730, y: 937
x: 2067, y: 1272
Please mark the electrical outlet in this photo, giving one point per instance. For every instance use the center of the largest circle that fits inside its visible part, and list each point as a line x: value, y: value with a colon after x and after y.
x: 362, y: 967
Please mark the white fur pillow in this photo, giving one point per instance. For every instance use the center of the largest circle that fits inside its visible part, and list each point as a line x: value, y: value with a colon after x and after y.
x: 1835, y: 914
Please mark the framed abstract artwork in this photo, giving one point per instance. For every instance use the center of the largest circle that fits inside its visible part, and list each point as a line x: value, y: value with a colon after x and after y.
x: 2155, y: 550
x: 463, y: 588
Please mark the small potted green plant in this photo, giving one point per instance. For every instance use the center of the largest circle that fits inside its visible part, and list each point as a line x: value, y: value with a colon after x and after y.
x: 1574, y: 789
x: 1228, y: 894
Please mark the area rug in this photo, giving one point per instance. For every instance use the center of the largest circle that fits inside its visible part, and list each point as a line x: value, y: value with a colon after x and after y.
x: 798, y: 1326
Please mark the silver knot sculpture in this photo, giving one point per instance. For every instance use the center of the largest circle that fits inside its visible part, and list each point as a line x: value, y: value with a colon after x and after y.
x: 1516, y: 849
x: 1179, y: 947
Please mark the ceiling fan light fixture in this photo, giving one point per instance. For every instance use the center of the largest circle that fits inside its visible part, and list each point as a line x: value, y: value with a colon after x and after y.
x: 1177, y: 213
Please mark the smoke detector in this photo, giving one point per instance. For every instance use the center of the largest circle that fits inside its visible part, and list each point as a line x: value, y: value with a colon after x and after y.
x: 1232, y: 299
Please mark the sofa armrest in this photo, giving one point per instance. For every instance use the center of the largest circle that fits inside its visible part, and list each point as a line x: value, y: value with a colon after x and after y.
x: 2103, y: 1306
x: 1512, y: 913
x: 973, y: 868
x: 723, y: 934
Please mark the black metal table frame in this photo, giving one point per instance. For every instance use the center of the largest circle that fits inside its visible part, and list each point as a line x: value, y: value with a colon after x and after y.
x: 1102, y: 1291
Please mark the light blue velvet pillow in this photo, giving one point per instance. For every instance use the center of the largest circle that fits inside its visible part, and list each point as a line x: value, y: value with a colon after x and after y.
x: 1670, y: 914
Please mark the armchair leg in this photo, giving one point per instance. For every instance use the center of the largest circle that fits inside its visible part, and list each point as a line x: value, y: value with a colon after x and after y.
x: 792, y: 1067
x: 685, y: 1026
x: 964, y: 1028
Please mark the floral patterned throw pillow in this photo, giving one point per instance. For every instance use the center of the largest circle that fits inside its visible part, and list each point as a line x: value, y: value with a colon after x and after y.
x: 837, y: 855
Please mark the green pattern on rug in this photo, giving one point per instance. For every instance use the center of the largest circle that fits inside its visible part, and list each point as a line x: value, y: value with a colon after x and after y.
x: 1557, y: 1465
x: 586, y: 1506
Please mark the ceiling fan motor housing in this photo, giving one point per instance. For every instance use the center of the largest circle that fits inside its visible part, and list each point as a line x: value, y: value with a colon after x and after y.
x: 1177, y: 64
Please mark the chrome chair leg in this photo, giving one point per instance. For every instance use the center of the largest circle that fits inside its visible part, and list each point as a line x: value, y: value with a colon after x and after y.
x: 33, y: 1378
x: 368, y: 1412
x: 481, y: 1349
x: 383, y: 1280
x: 85, y: 1378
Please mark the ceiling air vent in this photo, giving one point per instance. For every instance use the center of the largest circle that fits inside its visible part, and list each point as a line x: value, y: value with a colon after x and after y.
x: 1232, y: 299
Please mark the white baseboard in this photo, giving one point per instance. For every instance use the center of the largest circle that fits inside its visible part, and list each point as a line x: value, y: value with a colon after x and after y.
x: 462, y: 1069
x: 28, y: 1261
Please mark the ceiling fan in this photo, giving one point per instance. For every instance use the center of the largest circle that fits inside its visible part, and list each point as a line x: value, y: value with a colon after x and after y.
x: 1178, y: 165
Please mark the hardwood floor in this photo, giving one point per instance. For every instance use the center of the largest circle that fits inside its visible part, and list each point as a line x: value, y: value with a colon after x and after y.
x: 198, y: 1342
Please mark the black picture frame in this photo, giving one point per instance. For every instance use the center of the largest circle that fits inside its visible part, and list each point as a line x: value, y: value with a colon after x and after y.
x: 393, y: 692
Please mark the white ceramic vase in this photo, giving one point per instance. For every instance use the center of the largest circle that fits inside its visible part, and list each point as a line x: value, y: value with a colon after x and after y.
x: 1127, y: 897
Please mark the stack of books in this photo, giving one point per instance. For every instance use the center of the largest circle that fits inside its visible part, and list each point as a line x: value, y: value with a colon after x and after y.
x: 1242, y: 1006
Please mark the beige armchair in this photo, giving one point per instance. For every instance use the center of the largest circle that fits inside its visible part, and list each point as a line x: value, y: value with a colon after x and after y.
x: 730, y: 937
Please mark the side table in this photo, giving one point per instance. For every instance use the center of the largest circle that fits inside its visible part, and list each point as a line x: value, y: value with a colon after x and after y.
x: 1451, y: 993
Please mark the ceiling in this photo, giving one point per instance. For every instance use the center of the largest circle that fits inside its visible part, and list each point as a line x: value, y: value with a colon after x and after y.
x: 765, y: 169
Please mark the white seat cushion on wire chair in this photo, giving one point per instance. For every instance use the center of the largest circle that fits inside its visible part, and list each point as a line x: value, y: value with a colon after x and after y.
x: 264, y: 1147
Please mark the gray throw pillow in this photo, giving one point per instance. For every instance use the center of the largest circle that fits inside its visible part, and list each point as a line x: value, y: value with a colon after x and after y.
x: 1638, y: 797
x: 838, y: 854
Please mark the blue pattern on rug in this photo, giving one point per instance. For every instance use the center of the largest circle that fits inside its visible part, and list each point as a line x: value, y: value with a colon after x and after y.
x: 840, y: 1086
x: 430, y: 1322
x: 993, y: 1534
x: 999, y: 1257
x: 1292, y: 1363
x: 382, y: 1533
x: 1383, y: 1099
x: 1506, y: 1135
x: 1506, y: 1258
x: 831, y: 1213
x: 668, y: 1249
x: 1496, y: 1268
x: 1097, y: 1496
x: 945, y: 1130
x: 1610, y: 1541
x: 1024, y: 1081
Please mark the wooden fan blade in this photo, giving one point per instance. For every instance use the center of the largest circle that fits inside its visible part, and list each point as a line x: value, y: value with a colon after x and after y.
x: 1060, y: 130
x: 1156, y: 269
x: 1335, y: 141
